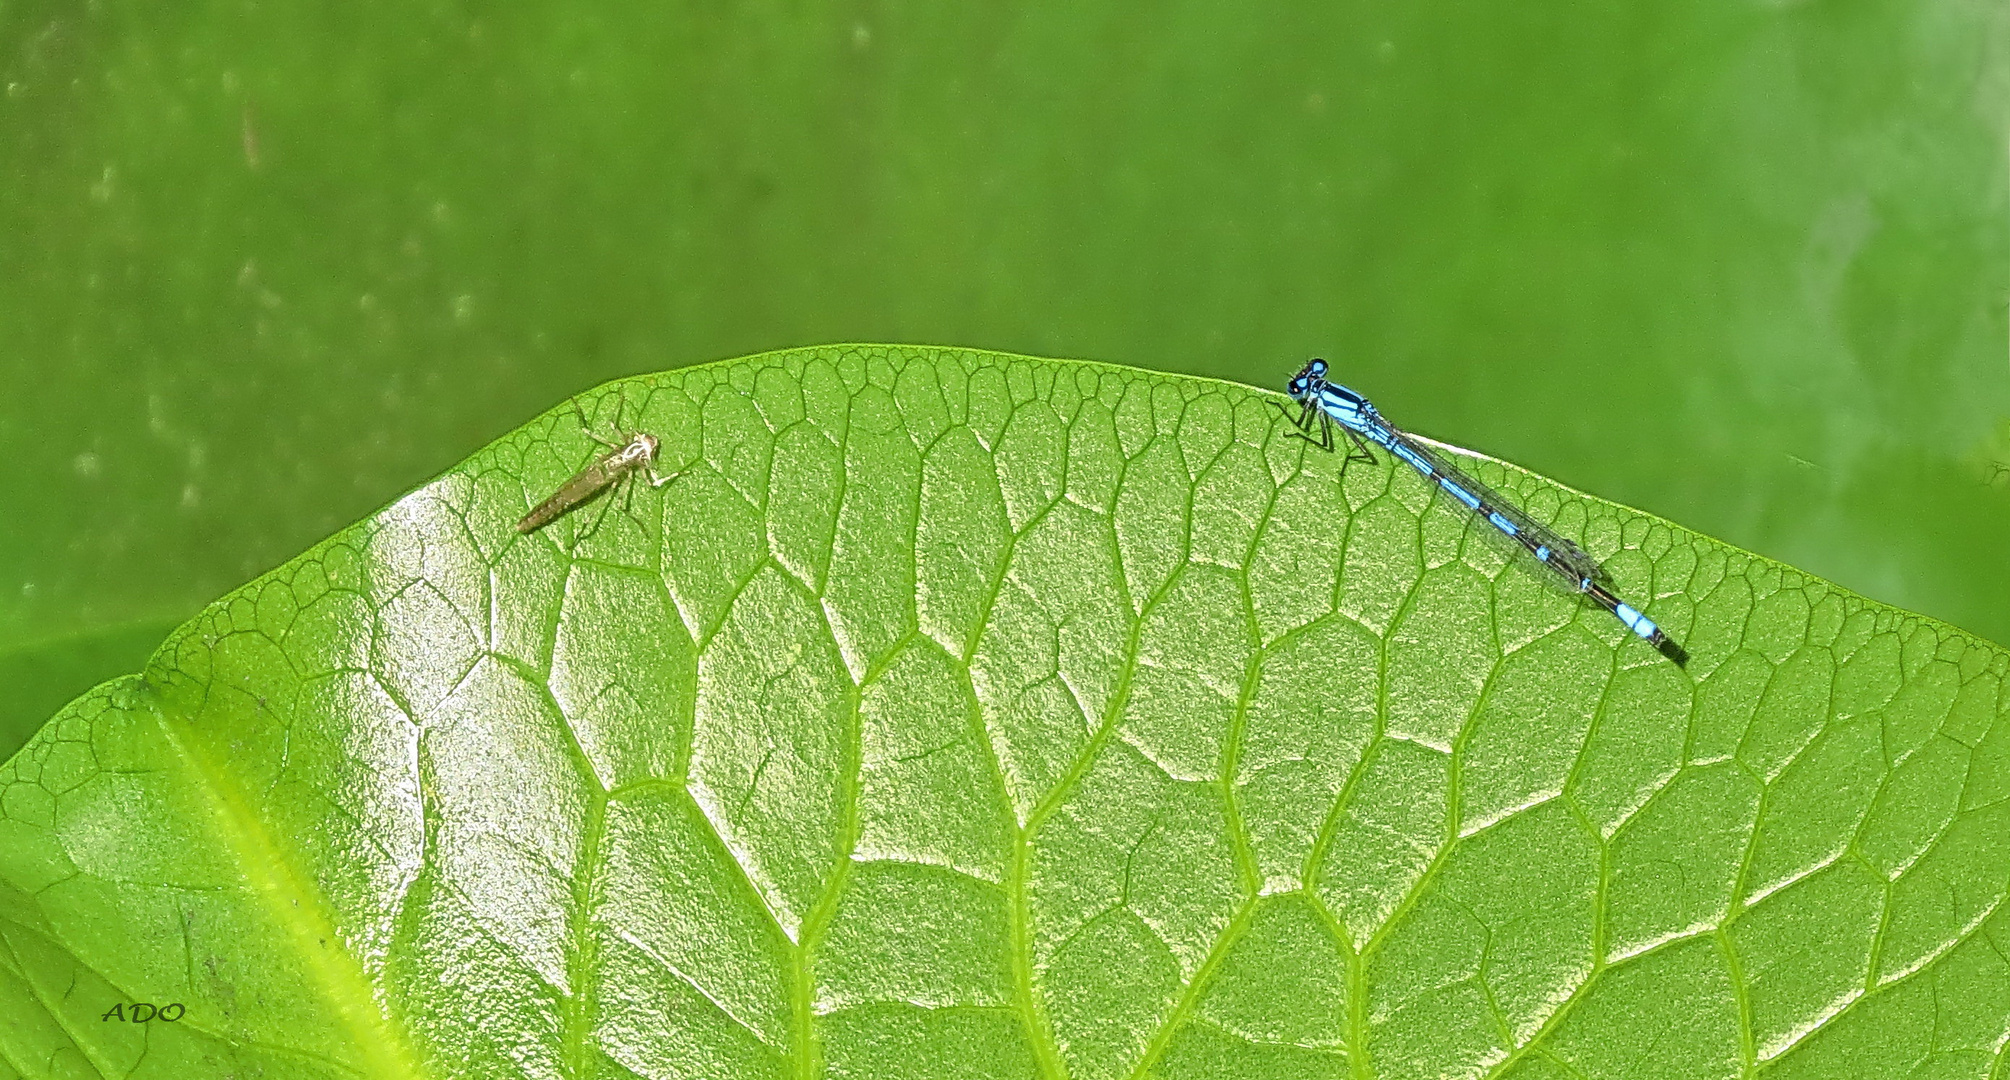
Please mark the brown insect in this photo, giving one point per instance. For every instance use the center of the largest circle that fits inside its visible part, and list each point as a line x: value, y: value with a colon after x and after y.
x: 622, y: 462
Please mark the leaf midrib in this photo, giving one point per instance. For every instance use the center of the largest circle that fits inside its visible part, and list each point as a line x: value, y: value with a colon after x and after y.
x: 298, y: 909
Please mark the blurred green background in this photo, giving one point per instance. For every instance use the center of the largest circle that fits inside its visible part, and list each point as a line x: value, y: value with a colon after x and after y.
x: 265, y: 266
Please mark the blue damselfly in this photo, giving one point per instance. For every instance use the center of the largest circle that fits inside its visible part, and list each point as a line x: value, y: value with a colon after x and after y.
x: 1324, y: 404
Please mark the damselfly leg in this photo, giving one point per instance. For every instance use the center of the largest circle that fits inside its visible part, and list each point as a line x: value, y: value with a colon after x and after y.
x: 1301, y: 428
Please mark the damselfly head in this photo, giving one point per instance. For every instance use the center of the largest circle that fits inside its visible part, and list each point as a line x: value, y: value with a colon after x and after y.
x: 1300, y: 385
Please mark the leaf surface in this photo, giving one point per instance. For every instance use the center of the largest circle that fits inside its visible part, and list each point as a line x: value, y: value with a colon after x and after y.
x: 962, y: 714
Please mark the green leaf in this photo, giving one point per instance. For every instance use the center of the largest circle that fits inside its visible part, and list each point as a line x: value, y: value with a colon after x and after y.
x: 41, y: 677
x: 961, y: 714
x: 262, y: 269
